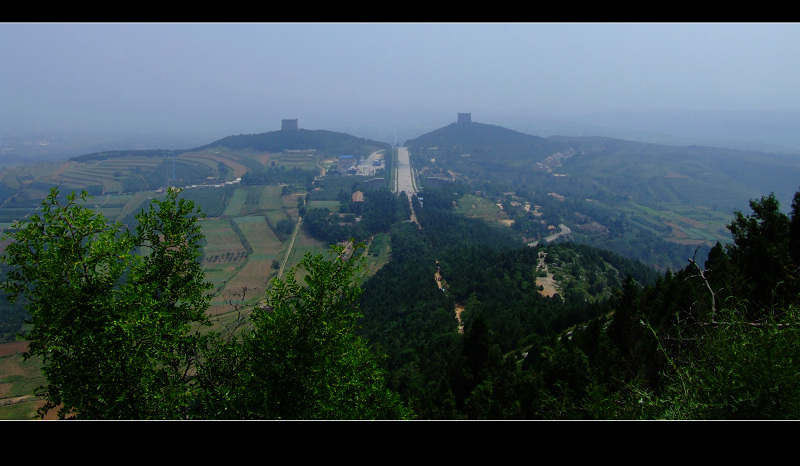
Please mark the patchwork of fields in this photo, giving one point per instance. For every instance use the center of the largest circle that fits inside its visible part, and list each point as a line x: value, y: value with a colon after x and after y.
x: 239, y: 253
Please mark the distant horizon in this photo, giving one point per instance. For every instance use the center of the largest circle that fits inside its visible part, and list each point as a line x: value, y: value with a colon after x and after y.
x: 187, y: 84
x: 756, y: 131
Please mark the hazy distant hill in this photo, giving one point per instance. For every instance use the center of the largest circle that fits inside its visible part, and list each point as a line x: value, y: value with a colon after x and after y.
x: 476, y: 136
x: 597, y: 165
x: 483, y: 143
x: 119, y: 171
x: 302, y: 139
x: 650, y: 202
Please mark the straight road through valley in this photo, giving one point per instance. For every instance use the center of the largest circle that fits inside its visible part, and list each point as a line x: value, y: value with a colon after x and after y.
x: 405, y: 178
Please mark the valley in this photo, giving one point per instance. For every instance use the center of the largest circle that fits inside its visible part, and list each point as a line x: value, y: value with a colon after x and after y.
x: 475, y: 196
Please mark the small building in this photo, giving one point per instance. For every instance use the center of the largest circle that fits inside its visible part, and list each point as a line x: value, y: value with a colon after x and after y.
x: 358, y: 196
x: 289, y: 125
x: 464, y: 118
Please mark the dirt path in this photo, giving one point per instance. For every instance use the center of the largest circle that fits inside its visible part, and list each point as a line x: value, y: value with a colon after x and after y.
x: 459, y: 307
x: 459, y: 310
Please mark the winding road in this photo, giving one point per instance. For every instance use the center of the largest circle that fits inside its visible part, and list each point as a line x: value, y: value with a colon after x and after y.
x: 565, y: 230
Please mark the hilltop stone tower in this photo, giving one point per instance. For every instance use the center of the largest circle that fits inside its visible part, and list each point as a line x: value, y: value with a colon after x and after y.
x: 464, y: 118
x: 289, y: 125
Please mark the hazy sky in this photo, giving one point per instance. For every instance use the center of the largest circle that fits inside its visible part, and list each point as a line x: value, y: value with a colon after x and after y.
x: 218, y: 79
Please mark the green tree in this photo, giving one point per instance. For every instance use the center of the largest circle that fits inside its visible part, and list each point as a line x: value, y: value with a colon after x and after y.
x: 111, y: 311
x: 761, y: 250
x: 741, y: 362
x: 302, y: 357
x: 794, y: 233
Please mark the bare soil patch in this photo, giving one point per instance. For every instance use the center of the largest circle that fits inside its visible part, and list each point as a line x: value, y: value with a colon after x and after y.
x: 547, y: 283
x: 459, y: 310
x: 691, y: 242
x: 548, y: 286
x: 693, y: 223
x: 676, y: 230
x: 7, y: 349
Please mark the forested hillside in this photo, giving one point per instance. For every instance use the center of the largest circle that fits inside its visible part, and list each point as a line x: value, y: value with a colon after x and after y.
x: 715, y: 340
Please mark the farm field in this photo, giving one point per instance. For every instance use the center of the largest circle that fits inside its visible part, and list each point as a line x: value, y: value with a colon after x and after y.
x: 685, y: 225
x: 223, y: 254
x: 271, y: 198
x: 303, y: 245
x: 213, y: 161
x: 18, y: 380
x: 305, y: 160
x: 235, y: 203
x: 265, y: 247
x: 240, y: 250
x: 333, y: 206
x: 231, y: 260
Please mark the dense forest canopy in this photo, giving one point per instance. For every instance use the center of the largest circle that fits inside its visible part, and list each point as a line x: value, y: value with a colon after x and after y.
x: 710, y: 341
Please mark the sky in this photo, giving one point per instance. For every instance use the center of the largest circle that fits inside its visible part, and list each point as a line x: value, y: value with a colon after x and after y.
x: 193, y: 83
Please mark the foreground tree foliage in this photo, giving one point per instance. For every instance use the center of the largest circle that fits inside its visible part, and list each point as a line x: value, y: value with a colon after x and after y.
x: 301, y: 358
x: 726, y: 336
x: 111, y: 311
x: 739, y: 358
x: 117, y: 317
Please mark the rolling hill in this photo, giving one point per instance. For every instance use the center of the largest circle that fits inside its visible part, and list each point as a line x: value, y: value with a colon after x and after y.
x: 646, y: 201
x: 597, y: 165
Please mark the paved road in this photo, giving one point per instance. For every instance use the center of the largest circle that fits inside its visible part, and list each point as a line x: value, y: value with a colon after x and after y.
x: 405, y: 179
x: 565, y: 230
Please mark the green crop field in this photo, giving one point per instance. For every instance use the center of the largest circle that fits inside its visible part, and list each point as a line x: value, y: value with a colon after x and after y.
x: 333, y: 206
x: 137, y: 202
x: 303, y: 244
x: 271, y: 198
x: 18, y: 380
x: 236, y: 203
x: 688, y: 224
x: 303, y: 160
x: 256, y: 271
x: 220, y: 240
x: 261, y: 237
x: 275, y: 216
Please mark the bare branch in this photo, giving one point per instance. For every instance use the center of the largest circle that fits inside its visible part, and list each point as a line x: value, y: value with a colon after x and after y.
x: 705, y: 280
